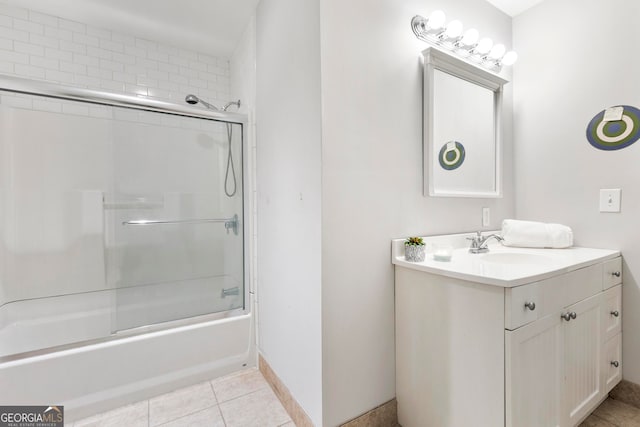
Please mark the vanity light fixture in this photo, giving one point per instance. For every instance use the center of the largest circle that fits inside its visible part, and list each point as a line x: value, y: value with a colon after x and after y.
x: 483, y: 47
x: 453, y: 31
x: 469, y: 39
x: 436, y: 21
x: 497, y: 52
x: 466, y: 44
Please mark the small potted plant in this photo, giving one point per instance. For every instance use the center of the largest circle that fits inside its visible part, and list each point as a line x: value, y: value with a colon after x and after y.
x: 414, y: 249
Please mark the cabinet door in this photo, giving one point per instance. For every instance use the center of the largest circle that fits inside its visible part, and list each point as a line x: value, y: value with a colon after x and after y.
x: 533, y: 356
x: 612, y: 363
x: 612, y: 312
x: 582, y: 341
x: 612, y: 273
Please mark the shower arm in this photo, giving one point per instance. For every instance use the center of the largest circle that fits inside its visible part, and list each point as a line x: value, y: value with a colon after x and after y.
x: 229, y: 104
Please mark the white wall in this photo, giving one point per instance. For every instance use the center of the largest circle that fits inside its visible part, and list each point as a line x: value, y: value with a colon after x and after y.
x: 242, y: 67
x: 288, y: 183
x: 371, y: 171
x: 372, y: 183
x: 577, y: 57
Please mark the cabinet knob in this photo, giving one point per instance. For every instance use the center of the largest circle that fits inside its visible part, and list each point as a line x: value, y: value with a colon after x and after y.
x: 573, y: 315
x: 530, y: 305
x: 615, y: 313
x: 566, y: 316
x: 616, y: 273
x: 615, y: 363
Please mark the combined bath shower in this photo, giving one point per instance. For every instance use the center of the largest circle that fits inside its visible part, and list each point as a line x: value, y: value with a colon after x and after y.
x: 193, y: 99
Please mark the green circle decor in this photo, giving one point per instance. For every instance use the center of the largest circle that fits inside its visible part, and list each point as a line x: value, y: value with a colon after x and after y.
x: 452, y: 155
x: 614, y: 135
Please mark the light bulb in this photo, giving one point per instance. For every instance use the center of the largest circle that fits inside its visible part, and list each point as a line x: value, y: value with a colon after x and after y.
x: 470, y: 37
x: 484, y: 46
x: 454, y: 30
x: 436, y: 20
x: 509, y: 58
x: 497, y: 51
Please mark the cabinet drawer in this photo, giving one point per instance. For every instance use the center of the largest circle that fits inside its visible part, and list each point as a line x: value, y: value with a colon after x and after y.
x: 569, y: 288
x: 612, y: 273
x: 522, y: 305
x: 612, y: 312
x: 550, y: 295
x: 612, y: 363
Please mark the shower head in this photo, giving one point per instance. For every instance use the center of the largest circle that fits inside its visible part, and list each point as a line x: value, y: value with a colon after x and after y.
x: 192, y: 99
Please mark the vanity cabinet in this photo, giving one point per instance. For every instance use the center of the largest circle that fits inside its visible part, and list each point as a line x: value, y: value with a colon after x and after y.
x: 553, y: 367
x: 540, y: 354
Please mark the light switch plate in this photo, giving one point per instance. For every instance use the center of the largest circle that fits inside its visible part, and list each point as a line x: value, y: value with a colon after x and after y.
x: 610, y: 200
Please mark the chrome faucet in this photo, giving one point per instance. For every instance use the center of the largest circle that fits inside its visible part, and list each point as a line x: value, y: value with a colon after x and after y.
x: 479, y: 242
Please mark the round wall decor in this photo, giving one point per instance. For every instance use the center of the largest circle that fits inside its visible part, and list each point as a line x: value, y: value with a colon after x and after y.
x: 451, y: 155
x: 614, y: 135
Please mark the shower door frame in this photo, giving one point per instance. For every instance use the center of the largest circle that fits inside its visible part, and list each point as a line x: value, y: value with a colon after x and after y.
x: 59, y: 91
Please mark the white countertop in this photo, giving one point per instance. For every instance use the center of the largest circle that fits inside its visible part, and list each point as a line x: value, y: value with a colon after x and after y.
x: 537, y: 264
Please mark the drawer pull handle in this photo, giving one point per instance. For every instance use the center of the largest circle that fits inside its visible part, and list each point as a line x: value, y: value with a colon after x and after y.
x: 566, y: 316
x: 616, y: 274
x: 573, y: 315
x: 615, y: 313
x: 615, y: 363
x: 530, y: 305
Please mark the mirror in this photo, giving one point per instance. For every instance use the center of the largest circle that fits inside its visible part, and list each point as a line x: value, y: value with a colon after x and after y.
x: 462, y: 131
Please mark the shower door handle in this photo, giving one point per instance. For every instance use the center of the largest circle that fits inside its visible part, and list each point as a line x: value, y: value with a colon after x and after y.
x: 229, y: 223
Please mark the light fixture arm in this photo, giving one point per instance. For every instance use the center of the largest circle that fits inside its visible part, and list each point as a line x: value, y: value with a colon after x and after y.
x: 419, y: 27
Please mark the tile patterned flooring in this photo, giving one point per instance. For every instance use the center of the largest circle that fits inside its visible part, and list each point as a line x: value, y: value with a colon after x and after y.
x: 613, y: 413
x: 242, y: 399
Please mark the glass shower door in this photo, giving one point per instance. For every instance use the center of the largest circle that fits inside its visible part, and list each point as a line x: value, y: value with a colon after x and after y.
x: 173, y: 218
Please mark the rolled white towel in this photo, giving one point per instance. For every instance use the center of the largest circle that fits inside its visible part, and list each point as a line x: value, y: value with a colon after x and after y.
x: 531, y: 234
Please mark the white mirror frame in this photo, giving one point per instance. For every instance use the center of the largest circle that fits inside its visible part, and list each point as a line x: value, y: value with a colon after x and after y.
x: 435, y: 59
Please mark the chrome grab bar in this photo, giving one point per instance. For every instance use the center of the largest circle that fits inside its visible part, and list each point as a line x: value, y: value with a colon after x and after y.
x: 229, y: 223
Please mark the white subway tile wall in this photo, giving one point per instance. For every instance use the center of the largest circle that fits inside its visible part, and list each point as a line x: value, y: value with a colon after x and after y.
x: 46, y: 47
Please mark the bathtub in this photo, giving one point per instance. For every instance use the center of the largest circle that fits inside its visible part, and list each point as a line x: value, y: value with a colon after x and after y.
x: 99, y: 376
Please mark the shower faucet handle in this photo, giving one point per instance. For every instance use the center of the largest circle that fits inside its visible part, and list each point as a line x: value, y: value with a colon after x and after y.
x: 232, y: 224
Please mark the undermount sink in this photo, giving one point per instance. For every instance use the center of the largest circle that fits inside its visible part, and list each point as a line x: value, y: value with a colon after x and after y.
x: 515, y: 258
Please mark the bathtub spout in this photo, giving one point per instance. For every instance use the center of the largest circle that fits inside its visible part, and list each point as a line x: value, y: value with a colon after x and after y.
x: 230, y: 291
